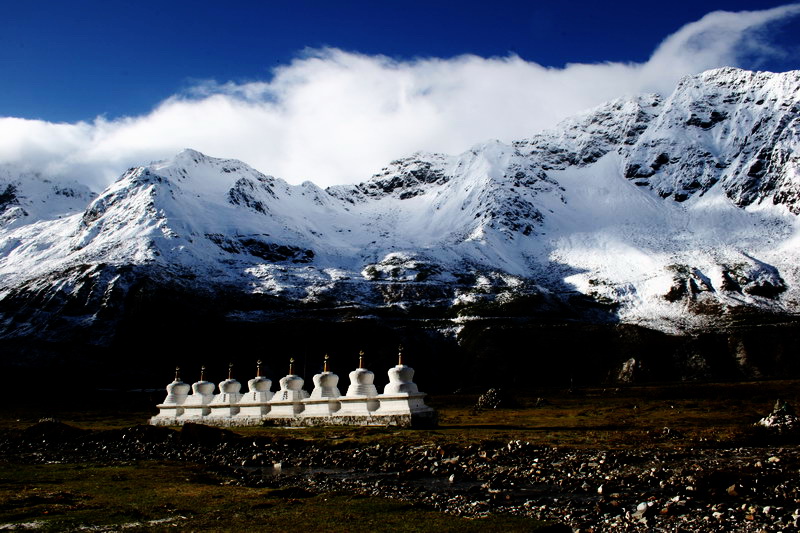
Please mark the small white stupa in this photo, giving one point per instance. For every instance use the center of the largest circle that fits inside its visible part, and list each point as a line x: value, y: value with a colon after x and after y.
x: 360, y: 399
x: 177, y: 392
x: 323, y: 399
x: 225, y: 404
x: 288, y: 401
x: 401, y: 395
x: 196, y: 404
x: 254, y: 402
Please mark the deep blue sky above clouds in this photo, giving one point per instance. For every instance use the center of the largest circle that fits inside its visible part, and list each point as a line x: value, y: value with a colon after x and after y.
x: 329, y: 91
x: 67, y: 61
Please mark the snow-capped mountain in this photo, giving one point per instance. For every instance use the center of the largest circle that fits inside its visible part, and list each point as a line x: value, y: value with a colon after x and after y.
x: 27, y: 197
x: 675, y: 213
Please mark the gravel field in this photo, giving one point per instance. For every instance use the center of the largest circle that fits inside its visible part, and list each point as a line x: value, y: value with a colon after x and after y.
x: 687, y: 489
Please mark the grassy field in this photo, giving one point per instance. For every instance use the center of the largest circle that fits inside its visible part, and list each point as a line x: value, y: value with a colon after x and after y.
x: 154, y: 496
x: 656, y: 415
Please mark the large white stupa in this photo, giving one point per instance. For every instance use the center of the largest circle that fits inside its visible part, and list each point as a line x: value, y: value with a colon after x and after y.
x: 401, y: 403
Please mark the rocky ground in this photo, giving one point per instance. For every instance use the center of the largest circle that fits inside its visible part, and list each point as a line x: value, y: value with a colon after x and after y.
x: 751, y: 488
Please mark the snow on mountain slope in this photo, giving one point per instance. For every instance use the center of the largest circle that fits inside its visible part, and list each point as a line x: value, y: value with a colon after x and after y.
x: 739, y: 128
x: 27, y: 197
x: 583, y: 139
x: 669, y: 265
x: 672, y: 212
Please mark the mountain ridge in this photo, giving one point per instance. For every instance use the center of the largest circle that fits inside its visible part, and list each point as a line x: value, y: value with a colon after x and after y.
x: 677, y: 214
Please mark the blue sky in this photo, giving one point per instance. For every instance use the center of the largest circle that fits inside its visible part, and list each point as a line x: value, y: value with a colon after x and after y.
x: 330, y: 91
x: 67, y: 61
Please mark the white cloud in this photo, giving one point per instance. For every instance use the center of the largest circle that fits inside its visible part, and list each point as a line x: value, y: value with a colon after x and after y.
x: 719, y: 38
x: 336, y: 117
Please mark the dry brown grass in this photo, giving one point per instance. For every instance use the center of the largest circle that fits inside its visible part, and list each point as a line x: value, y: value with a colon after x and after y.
x: 665, y: 415
x: 155, y: 496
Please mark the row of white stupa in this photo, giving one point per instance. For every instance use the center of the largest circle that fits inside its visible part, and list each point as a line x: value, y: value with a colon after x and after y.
x: 400, y: 403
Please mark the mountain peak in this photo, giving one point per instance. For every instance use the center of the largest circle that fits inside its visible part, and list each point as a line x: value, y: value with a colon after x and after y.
x: 647, y: 205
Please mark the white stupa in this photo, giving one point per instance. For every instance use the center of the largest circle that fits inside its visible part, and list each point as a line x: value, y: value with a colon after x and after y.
x: 177, y: 392
x: 401, y: 395
x: 360, y: 399
x: 323, y: 399
x: 196, y: 404
x: 254, y: 402
x: 226, y: 403
x: 401, y: 403
x: 288, y: 401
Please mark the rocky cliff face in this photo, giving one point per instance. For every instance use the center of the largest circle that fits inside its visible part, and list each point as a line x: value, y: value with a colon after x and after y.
x: 737, y: 128
x: 678, y: 214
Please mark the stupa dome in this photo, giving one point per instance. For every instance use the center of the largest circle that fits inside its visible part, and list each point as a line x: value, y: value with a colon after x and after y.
x: 178, y: 388
x: 325, y: 383
x: 292, y: 382
x: 203, y: 387
x: 259, y: 384
x: 401, y: 374
x: 326, y: 380
x: 230, y: 386
x: 362, y: 376
x: 361, y: 383
x: 401, y: 378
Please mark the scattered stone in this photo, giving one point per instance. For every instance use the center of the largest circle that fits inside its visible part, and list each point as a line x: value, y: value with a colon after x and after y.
x: 782, y: 420
x: 51, y: 430
x: 687, y: 489
x: 629, y: 371
x: 495, y: 399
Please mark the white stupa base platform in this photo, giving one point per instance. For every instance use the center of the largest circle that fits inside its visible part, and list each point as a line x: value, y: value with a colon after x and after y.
x: 255, y: 404
x: 225, y: 422
x: 224, y: 405
x: 254, y: 409
x: 283, y: 409
x: 357, y: 406
x: 223, y: 411
x: 421, y: 419
x: 426, y: 419
x: 402, y: 403
x: 195, y: 411
x: 320, y: 407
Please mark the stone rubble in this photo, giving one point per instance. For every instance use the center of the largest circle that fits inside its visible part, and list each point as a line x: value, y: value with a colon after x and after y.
x: 495, y: 398
x: 782, y: 420
x: 749, y: 489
